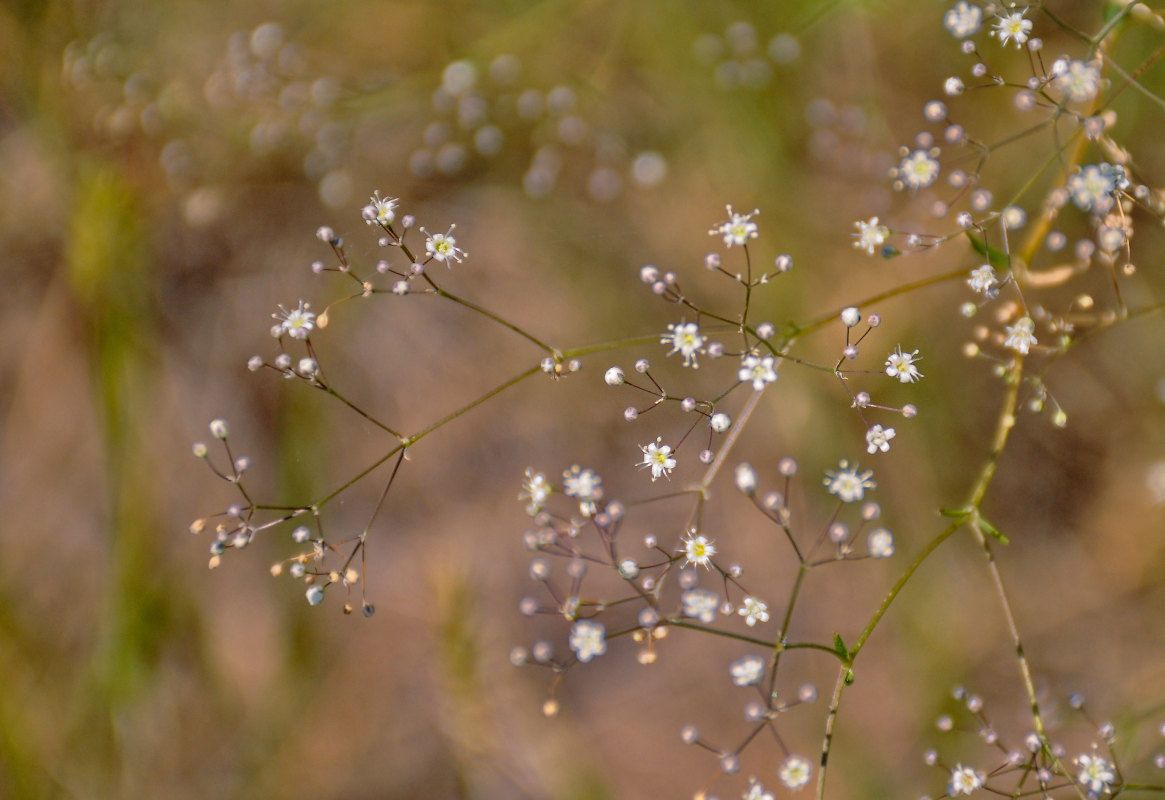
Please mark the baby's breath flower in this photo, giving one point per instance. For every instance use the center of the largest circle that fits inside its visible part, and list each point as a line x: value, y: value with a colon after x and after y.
x: 588, y: 639
x: 756, y: 791
x: 738, y: 229
x: 918, y: 170
x: 582, y: 484
x: 383, y: 210
x: 536, y: 489
x: 658, y: 457
x: 701, y: 604
x: 878, y: 439
x: 1019, y: 336
x: 847, y: 483
x: 870, y: 235
x: 296, y: 323
x: 1096, y: 774
x: 964, y: 780
x: 963, y: 20
x: 698, y: 550
x: 1013, y: 27
x: 614, y: 376
x: 685, y: 339
x: 880, y: 543
x: 1093, y: 186
x: 795, y: 772
x: 1078, y: 81
x: 754, y: 610
x: 757, y: 369
x: 901, y: 365
x: 747, y: 670
x: 720, y: 422
x: 983, y: 281
x: 443, y: 247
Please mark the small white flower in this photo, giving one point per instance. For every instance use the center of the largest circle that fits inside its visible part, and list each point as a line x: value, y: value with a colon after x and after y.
x: 1019, y: 336
x: 536, y: 489
x: 870, y: 235
x: 1078, y: 81
x: 878, y: 439
x: 758, y: 370
x: 1013, y: 27
x: 383, y: 210
x: 918, y: 170
x: 588, y: 639
x: 720, y: 422
x: 583, y: 485
x: 443, y: 247
x: 698, y: 550
x: 754, y: 610
x: 963, y: 20
x: 738, y: 229
x: 756, y: 791
x: 901, y: 365
x: 1093, y: 187
x: 686, y: 340
x: 880, y: 543
x: 984, y: 281
x: 747, y: 670
x: 1096, y: 774
x: 700, y: 604
x: 296, y: 323
x: 657, y: 456
x: 964, y: 780
x: 795, y: 772
x: 847, y: 483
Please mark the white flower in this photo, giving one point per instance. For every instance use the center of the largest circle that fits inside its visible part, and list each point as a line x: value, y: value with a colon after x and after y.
x: 1078, y: 81
x: 1096, y: 774
x: 738, y: 229
x: 443, y: 247
x: 1093, y: 186
x: 901, y: 365
x: 795, y: 772
x: 1019, y: 336
x: 747, y: 670
x: 754, y: 610
x: 963, y: 20
x: 296, y: 323
x: 983, y: 281
x: 756, y: 791
x: 383, y: 210
x: 757, y: 369
x: 880, y: 543
x: 536, y: 489
x: 870, y: 235
x: 686, y: 340
x: 698, y: 550
x: 1013, y: 27
x: 581, y: 483
x: 657, y: 456
x: 588, y: 639
x: 700, y: 604
x: 918, y: 169
x: 964, y: 780
x: 878, y: 438
x: 847, y: 483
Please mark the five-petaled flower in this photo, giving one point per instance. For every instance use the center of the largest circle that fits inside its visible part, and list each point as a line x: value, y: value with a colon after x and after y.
x: 685, y: 339
x: 847, y: 483
x: 383, y: 210
x: 1013, y: 27
x: 296, y: 323
x: 795, y: 772
x: 698, y: 549
x: 658, y: 457
x: 901, y: 365
x: 443, y: 247
x: 754, y: 610
x: 964, y: 780
x: 758, y: 370
x: 1019, y: 336
x: 871, y: 235
x: 738, y: 229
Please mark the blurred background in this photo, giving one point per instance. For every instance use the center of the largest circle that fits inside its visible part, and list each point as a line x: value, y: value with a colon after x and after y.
x: 163, y: 169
